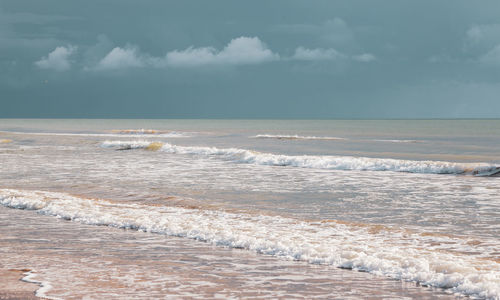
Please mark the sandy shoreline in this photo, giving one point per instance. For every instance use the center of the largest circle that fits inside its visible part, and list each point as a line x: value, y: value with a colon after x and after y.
x: 108, y: 263
x: 12, y: 287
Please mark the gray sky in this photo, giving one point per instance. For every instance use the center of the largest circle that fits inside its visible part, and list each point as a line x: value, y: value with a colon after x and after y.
x: 250, y: 59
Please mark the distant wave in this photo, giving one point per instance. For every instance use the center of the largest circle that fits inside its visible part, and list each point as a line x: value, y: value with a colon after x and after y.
x: 372, y: 248
x: 315, y: 162
x: 141, y: 131
x: 398, y: 141
x: 295, y: 137
x: 312, y: 137
x: 165, y: 134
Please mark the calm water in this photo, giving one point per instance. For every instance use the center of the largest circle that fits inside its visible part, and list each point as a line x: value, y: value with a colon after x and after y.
x: 220, y: 208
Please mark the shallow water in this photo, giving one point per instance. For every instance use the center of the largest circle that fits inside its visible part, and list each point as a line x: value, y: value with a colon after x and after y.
x: 409, y: 200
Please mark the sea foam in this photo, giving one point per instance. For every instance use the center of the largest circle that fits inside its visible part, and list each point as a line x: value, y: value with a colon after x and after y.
x: 318, y: 162
x: 394, y: 253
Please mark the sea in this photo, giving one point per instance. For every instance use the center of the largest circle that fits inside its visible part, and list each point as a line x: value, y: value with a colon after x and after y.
x: 232, y: 209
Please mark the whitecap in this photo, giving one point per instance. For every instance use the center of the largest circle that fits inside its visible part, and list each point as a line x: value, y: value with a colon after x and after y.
x: 319, y: 161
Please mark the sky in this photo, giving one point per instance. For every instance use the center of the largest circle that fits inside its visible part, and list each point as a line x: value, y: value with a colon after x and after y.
x: 280, y: 59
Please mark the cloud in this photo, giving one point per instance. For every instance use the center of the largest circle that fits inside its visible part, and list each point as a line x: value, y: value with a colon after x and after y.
x: 483, y: 43
x: 337, y: 32
x: 365, y: 57
x: 483, y: 33
x: 480, y: 39
x: 120, y: 58
x: 492, y: 57
x: 58, y: 59
x: 239, y: 51
x: 302, y: 53
x: 93, y: 54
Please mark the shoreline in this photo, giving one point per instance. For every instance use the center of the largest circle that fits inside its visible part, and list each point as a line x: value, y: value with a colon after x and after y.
x: 12, y: 285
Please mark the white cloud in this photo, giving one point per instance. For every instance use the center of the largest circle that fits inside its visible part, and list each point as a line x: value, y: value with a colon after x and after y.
x: 93, y: 54
x: 120, y: 58
x: 192, y: 56
x: 58, y: 59
x: 365, y: 57
x: 302, y: 53
x: 492, y: 57
x: 242, y: 50
x: 239, y: 51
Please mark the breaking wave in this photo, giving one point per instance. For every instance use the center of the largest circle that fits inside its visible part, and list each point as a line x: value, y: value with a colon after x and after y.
x: 315, y: 162
x: 398, y: 254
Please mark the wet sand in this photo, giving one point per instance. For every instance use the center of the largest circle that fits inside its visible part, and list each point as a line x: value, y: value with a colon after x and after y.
x: 12, y: 287
x: 101, y: 262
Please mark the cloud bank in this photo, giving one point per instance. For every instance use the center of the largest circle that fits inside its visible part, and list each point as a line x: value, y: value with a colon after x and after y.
x: 239, y: 51
x: 58, y: 59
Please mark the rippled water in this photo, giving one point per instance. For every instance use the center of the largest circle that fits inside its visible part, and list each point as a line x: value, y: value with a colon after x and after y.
x: 408, y: 200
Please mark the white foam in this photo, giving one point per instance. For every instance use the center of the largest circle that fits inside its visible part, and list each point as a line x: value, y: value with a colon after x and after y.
x: 45, y: 286
x: 295, y: 137
x: 397, y: 254
x: 320, y: 162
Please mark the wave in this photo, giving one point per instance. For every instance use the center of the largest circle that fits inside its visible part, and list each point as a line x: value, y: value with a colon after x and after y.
x: 312, y: 137
x: 295, y: 137
x: 139, y: 131
x: 396, y: 254
x: 159, y: 134
x: 398, y: 141
x: 148, y: 133
x: 317, y: 162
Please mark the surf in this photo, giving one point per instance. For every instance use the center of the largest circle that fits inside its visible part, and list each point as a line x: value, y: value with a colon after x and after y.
x: 430, y: 260
x: 347, y: 163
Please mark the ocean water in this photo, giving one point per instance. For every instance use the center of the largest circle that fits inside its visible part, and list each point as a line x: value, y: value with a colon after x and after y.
x: 252, y: 208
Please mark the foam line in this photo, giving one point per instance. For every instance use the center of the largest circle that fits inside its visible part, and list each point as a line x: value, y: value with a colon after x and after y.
x: 396, y: 254
x: 318, y: 162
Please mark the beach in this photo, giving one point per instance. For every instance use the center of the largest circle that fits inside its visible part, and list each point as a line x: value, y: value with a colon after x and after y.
x: 345, y: 209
